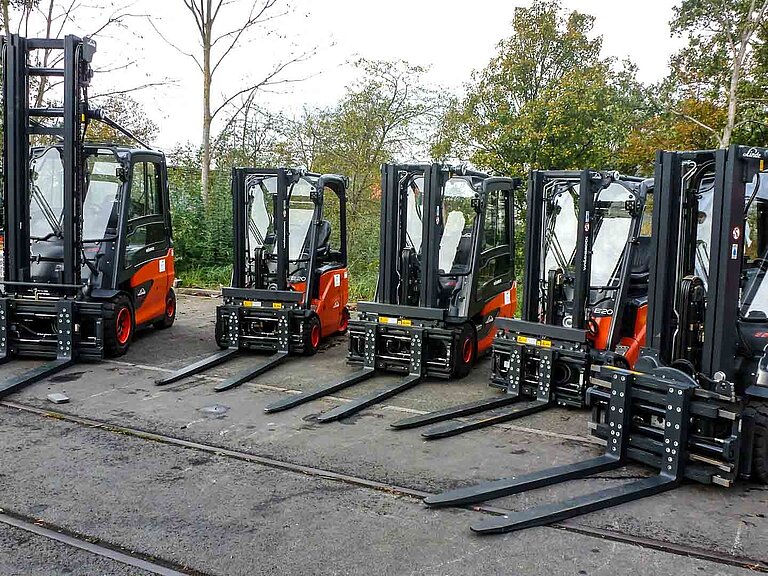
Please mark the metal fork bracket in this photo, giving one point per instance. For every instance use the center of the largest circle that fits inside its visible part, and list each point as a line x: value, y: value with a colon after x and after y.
x: 65, y: 351
x: 282, y: 335
x: 266, y: 328
x: 714, y: 439
x: 676, y: 415
x: 368, y: 370
x: 65, y: 329
x: 229, y: 317
x: 415, y: 374
x: 516, y: 367
x: 4, y: 312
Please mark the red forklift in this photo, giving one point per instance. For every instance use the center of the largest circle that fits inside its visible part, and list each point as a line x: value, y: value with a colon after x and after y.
x: 445, y: 275
x: 87, y: 252
x: 695, y: 405
x: 585, y: 298
x: 290, y: 283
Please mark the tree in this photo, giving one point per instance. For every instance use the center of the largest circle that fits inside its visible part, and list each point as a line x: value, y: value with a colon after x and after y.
x: 387, y: 115
x: 546, y: 100
x: 216, y: 47
x: 719, y: 63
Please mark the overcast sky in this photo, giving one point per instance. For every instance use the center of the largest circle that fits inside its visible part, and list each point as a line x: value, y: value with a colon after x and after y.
x: 449, y: 37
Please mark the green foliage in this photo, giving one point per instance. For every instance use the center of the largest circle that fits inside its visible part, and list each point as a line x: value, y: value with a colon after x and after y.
x: 546, y: 100
x: 202, y: 233
x: 206, y: 277
x: 724, y: 64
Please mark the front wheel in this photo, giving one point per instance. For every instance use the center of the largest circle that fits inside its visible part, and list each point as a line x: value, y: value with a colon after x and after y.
x: 758, y: 411
x: 464, y: 351
x: 312, y: 335
x: 344, y: 320
x: 118, y: 330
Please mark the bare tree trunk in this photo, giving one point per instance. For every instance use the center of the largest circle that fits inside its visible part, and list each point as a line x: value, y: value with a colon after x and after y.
x: 738, y: 63
x: 6, y: 17
x: 205, y: 175
x: 751, y: 27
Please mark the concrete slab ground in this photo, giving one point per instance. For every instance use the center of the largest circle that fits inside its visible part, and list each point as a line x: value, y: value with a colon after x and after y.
x: 219, y: 515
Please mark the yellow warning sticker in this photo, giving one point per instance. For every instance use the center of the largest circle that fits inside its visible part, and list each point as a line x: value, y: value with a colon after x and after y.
x: 277, y: 305
x: 533, y: 342
x: 251, y: 304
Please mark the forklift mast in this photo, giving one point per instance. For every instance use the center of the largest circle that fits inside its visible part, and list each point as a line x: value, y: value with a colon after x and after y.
x: 704, y: 226
x: 88, y: 254
x: 21, y: 125
x: 445, y: 275
x: 433, y: 238
x: 261, y: 200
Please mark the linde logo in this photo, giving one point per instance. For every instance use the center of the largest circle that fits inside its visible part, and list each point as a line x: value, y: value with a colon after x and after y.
x: 753, y: 153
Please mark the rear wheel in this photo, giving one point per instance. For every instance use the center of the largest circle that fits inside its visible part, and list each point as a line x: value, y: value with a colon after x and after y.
x: 759, y: 414
x: 312, y: 335
x: 169, y: 316
x: 118, y: 330
x: 464, y: 351
x: 344, y: 320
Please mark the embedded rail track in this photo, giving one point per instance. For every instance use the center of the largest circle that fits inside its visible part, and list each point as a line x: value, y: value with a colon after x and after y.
x: 158, y: 566
x: 97, y: 547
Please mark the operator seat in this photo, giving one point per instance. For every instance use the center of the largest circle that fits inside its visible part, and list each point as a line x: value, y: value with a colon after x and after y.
x: 640, y: 267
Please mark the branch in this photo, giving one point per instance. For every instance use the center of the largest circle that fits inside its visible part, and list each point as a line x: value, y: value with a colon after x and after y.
x: 172, y: 45
x: 692, y: 119
x: 268, y: 80
x: 134, y: 89
x: 252, y: 20
x: 197, y: 12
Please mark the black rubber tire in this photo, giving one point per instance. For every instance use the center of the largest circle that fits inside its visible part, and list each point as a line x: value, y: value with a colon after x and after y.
x: 758, y: 411
x: 344, y: 326
x: 461, y: 365
x: 168, y: 319
x: 310, y: 326
x: 112, y: 346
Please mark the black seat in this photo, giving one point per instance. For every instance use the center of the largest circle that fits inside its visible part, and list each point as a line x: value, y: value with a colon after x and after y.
x: 323, y: 239
x: 640, y: 268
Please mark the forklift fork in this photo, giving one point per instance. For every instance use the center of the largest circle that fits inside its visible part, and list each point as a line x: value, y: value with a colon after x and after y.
x: 233, y: 327
x: 65, y: 349
x: 200, y: 366
x: 617, y: 453
x: 415, y: 375
x: 544, y: 399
